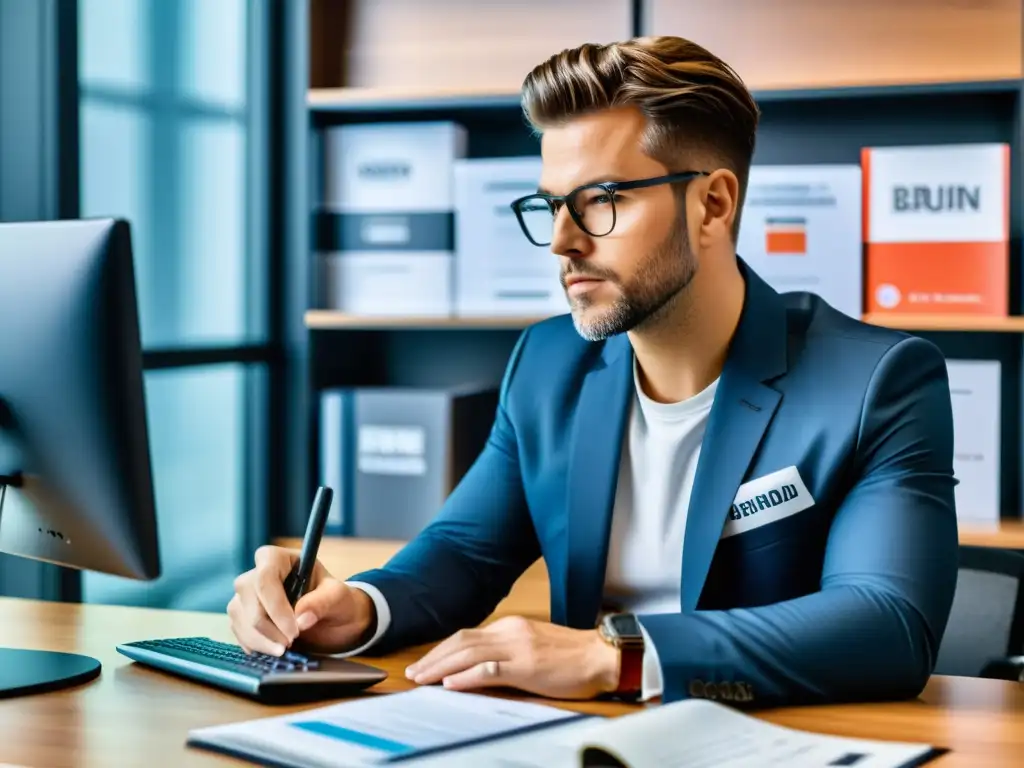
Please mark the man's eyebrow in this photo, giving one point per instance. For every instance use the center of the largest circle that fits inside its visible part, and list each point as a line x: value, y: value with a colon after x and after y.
x: 602, y: 178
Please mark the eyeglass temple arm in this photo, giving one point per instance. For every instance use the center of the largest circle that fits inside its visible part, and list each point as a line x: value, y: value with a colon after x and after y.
x: 683, y: 176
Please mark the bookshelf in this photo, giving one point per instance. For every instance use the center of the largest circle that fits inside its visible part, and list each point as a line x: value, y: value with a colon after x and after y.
x: 807, y: 117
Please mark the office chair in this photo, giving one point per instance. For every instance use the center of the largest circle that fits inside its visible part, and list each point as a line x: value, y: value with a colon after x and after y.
x: 985, y: 633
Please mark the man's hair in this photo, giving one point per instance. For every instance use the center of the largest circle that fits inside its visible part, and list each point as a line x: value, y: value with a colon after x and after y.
x: 697, y: 108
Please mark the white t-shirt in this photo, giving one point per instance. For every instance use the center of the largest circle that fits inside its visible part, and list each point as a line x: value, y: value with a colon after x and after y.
x: 652, y: 497
x: 656, y: 472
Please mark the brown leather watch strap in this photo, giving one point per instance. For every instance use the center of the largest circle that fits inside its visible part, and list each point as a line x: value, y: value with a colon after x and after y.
x: 631, y: 671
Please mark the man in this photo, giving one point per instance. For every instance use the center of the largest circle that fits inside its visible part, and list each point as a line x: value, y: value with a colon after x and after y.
x: 759, y: 486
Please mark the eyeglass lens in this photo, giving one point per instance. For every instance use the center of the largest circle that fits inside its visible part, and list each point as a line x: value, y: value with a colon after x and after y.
x: 595, y: 206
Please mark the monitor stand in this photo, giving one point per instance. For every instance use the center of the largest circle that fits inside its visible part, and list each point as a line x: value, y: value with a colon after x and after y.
x: 25, y: 672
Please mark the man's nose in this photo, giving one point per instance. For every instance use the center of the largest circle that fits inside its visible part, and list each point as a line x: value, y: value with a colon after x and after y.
x: 566, y: 237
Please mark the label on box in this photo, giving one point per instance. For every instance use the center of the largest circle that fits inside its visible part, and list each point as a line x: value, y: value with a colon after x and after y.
x: 391, y: 450
x: 385, y: 231
x: 383, y: 167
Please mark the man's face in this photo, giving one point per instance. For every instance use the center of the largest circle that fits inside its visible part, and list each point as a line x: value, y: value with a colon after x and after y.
x: 616, y: 282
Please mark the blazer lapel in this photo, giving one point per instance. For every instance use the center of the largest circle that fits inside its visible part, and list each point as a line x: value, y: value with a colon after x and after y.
x: 596, y: 446
x: 743, y: 408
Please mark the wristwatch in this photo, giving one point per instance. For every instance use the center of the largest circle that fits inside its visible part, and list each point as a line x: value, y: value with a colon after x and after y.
x: 622, y: 631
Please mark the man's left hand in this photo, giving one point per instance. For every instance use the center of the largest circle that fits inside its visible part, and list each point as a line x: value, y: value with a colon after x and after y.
x: 534, y: 656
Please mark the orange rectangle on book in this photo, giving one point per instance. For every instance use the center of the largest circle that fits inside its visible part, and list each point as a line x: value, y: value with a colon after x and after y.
x: 786, y: 242
x: 785, y: 236
x: 933, y: 278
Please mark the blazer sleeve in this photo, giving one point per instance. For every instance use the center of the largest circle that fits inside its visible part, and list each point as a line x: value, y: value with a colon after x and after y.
x: 459, y: 567
x: 890, y: 570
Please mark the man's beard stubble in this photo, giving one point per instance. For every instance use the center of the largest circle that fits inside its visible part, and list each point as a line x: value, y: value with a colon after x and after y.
x: 662, y: 277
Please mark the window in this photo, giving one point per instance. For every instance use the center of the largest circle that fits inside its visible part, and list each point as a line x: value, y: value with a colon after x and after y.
x: 172, y: 101
x: 197, y: 432
x: 167, y: 132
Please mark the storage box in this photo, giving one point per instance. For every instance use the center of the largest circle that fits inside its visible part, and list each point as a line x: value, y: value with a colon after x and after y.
x: 801, y: 231
x: 385, y: 228
x: 498, y: 271
x: 937, y: 227
x: 393, y: 455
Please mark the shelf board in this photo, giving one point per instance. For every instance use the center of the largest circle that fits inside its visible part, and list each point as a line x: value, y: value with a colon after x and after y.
x: 1013, y: 324
x: 325, y: 319
x: 886, y: 90
x: 407, y: 100
x: 417, y: 100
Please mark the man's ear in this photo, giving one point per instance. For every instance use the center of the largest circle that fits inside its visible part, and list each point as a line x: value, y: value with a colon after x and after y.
x: 720, y: 197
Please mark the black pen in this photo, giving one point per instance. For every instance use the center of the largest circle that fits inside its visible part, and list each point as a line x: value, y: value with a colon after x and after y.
x: 298, y: 580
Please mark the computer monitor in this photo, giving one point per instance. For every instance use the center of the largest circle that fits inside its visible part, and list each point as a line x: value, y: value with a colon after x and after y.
x: 76, y: 484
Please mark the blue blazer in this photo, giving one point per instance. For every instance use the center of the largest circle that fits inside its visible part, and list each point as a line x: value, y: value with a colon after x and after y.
x: 845, y: 599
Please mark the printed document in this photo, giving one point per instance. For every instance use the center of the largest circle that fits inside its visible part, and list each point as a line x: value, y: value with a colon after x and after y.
x: 431, y: 727
x: 374, y: 729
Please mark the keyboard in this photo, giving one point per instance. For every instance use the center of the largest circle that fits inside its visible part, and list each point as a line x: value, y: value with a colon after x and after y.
x: 287, y: 679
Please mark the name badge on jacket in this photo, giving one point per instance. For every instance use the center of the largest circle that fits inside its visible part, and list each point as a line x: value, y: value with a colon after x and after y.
x: 767, y: 499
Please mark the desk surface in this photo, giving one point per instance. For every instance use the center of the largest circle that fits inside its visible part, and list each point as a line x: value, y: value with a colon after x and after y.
x: 132, y: 716
x: 1007, y: 534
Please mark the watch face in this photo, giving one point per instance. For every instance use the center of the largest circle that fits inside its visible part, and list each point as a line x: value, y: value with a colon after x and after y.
x: 625, y: 625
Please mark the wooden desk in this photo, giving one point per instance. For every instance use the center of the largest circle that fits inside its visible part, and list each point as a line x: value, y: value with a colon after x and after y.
x: 1008, y: 534
x: 134, y: 717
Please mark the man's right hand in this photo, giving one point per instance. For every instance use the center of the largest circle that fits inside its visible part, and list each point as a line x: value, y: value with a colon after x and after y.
x: 330, y: 618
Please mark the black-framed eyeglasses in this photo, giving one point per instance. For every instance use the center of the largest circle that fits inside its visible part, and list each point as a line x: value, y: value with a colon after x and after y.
x: 591, y: 206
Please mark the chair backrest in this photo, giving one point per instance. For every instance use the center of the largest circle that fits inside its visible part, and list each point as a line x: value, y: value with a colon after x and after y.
x: 987, y: 619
